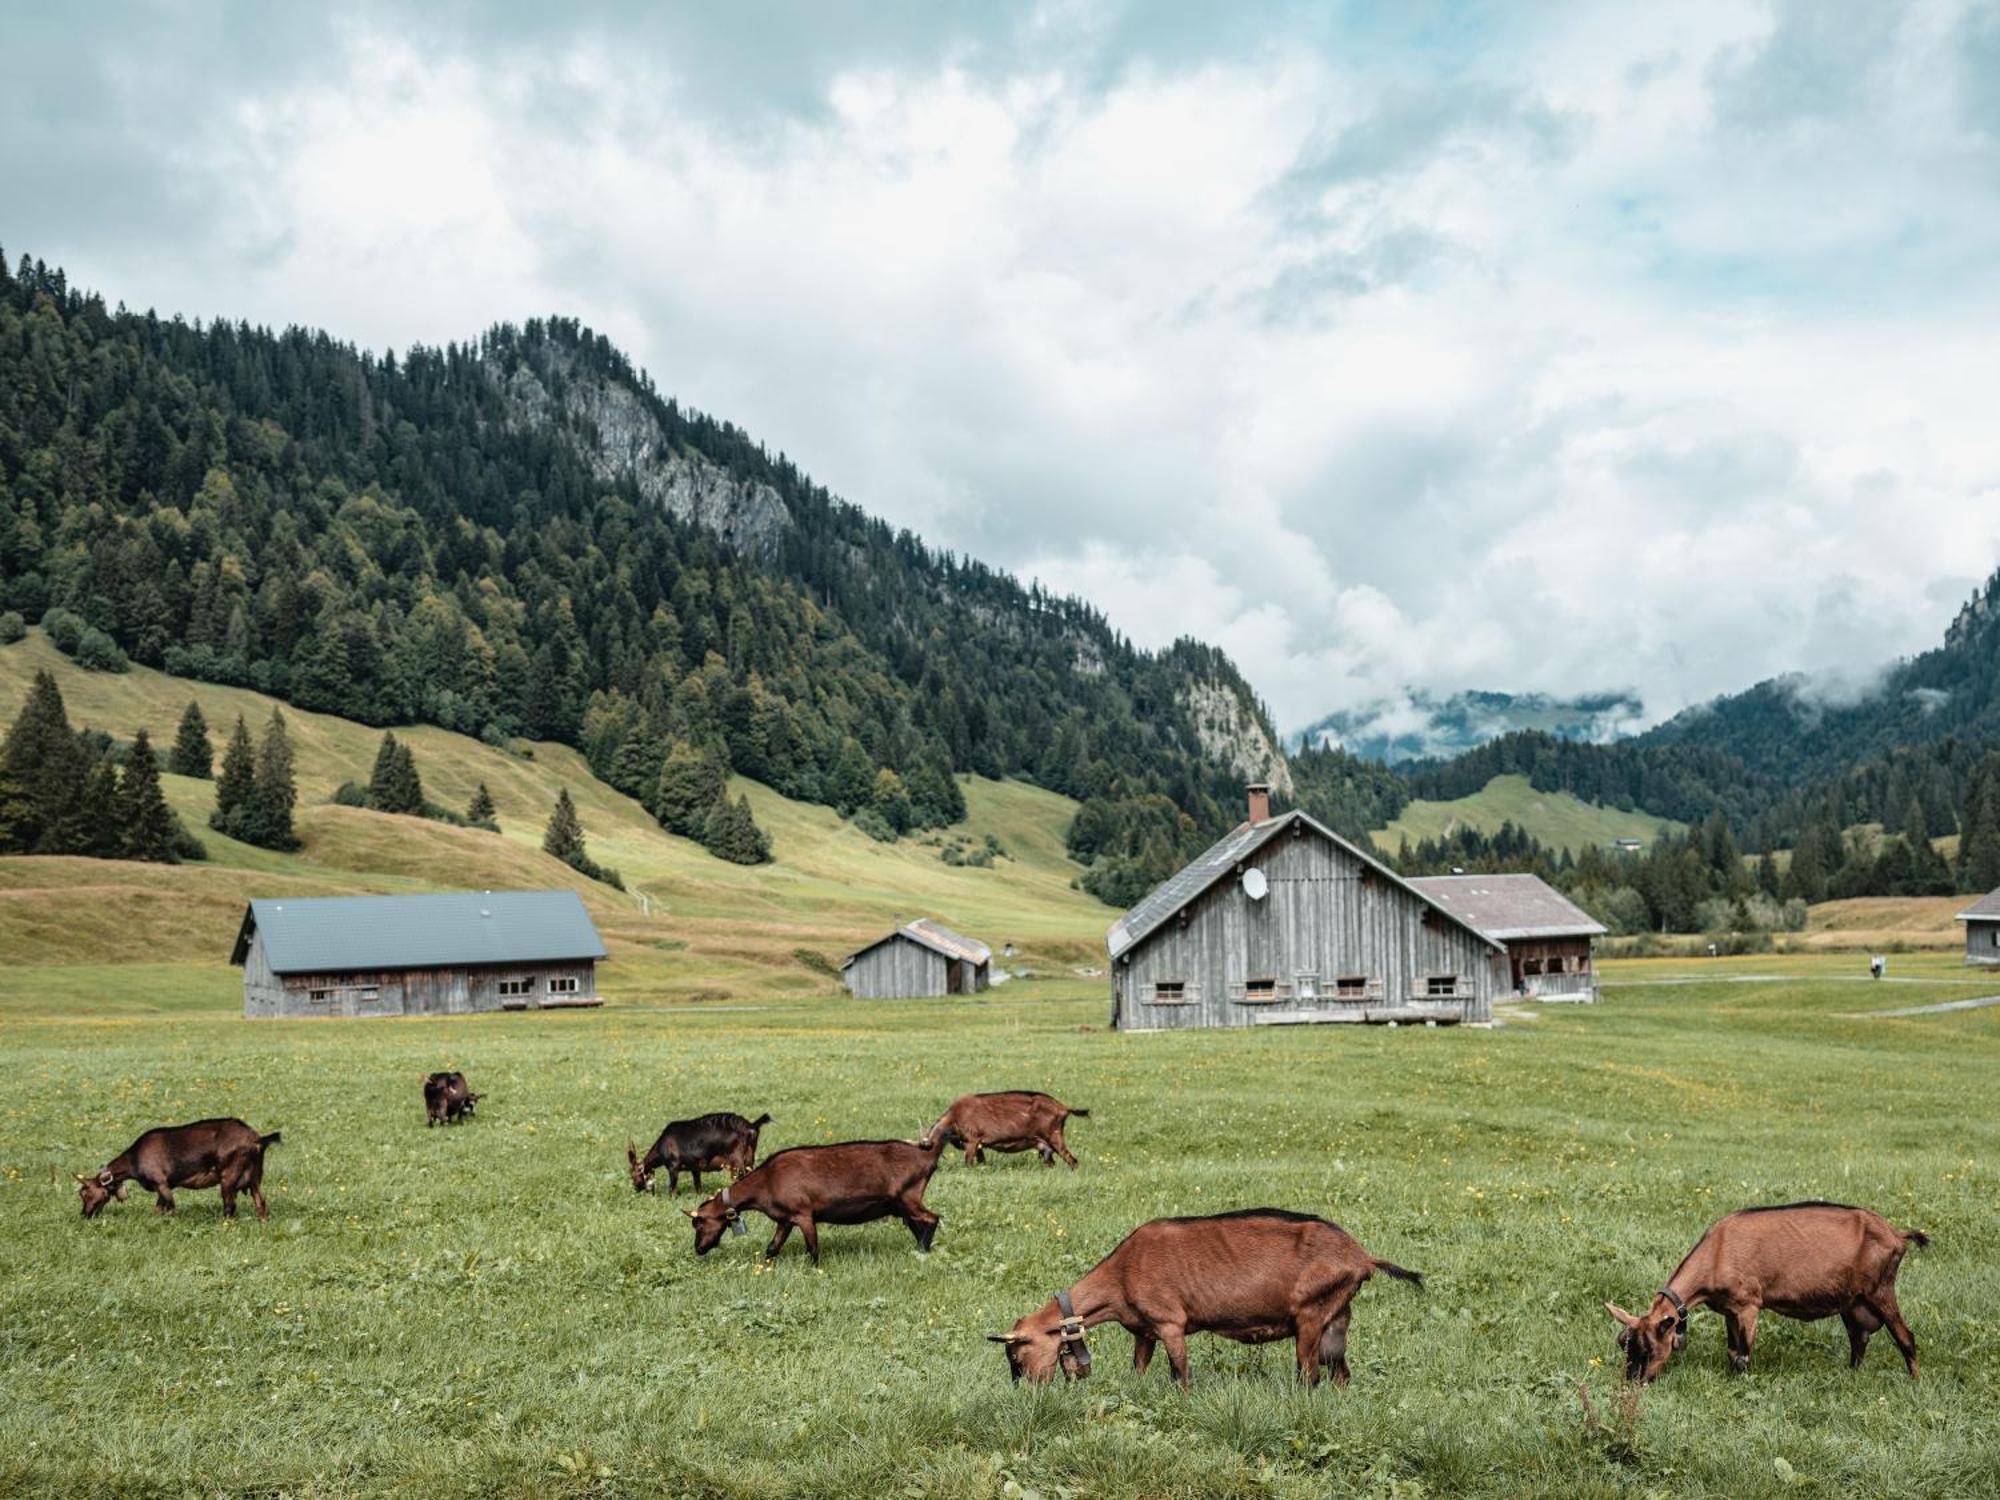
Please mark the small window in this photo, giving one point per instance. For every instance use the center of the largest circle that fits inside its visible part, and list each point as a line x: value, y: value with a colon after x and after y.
x: 1441, y: 986
x: 1531, y: 966
x: 1260, y: 989
x: 1351, y: 986
x: 515, y: 988
x: 1583, y: 964
x: 320, y: 997
x: 1308, y: 987
x: 368, y: 992
x: 562, y: 986
x: 1555, y: 965
x: 1170, y: 992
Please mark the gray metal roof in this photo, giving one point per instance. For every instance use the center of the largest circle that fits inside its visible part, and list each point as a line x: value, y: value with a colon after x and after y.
x: 1221, y: 858
x: 1507, y: 907
x: 932, y: 935
x: 334, y: 934
x: 1985, y: 909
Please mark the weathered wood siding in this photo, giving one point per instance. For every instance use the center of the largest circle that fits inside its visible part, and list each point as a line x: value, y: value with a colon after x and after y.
x: 409, y: 992
x: 1328, y: 916
x: 898, y: 969
x: 1982, y: 942
x: 1532, y: 961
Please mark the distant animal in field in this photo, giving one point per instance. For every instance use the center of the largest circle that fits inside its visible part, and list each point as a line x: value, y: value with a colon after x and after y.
x: 721, y: 1142
x: 208, y: 1153
x: 1256, y: 1275
x: 1804, y: 1260
x: 1017, y: 1120
x: 802, y: 1188
x: 448, y: 1099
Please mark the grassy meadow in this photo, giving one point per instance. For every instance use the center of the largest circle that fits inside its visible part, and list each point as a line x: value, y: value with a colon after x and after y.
x: 492, y: 1310
x: 1558, y: 819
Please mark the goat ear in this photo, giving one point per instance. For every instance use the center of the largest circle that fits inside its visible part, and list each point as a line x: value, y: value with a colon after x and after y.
x: 690, y: 1213
x: 82, y: 1176
x: 631, y: 1151
x: 1002, y: 1338
x: 1621, y: 1315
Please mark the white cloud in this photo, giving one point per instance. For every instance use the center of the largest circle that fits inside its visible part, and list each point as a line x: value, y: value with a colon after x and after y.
x: 1635, y: 349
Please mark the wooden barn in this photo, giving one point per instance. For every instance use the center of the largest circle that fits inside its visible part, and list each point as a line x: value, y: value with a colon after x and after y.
x: 1282, y: 921
x: 1547, y: 937
x: 1982, y: 929
x: 920, y: 958
x: 417, y: 955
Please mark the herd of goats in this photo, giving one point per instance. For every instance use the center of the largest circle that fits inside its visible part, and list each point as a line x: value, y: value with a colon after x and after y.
x: 1255, y: 1275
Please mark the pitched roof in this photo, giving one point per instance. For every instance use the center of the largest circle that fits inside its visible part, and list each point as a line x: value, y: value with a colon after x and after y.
x: 333, y: 934
x: 934, y: 936
x: 1985, y: 909
x: 1507, y: 907
x: 1221, y: 858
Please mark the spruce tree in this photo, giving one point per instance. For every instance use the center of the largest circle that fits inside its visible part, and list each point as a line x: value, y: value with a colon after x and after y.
x: 564, y: 836
x: 192, y: 755
x: 43, y: 765
x: 1979, y: 855
x: 275, y: 792
x: 730, y: 832
x: 97, y: 812
x: 689, y: 783
x: 394, y: 785
x: 891, y: 799
x: 237, y: 784
x: 381, y: 778
x: 481, y: 809
x: 147, y: 826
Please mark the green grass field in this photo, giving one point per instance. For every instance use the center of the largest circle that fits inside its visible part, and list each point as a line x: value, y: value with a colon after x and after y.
x: 492, y: 1310
x: 1558, y: 819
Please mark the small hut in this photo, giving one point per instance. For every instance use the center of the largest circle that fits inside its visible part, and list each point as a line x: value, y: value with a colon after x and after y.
x: 417, y: 955
x: 1547, y: 937
x: 1982, y: 929
x: 919, y: 959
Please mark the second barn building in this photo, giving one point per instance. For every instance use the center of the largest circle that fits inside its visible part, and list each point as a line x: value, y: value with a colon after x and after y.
x: 919, y: 959
x: 1282, y: 921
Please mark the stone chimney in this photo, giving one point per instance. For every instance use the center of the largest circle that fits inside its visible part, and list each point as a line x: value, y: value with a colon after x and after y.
x: 1260, y: 801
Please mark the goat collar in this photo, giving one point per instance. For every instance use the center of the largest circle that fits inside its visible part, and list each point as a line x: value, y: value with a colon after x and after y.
x: 1072, y: 1333
x: 729, y: 1212
x: 1680, y: 1307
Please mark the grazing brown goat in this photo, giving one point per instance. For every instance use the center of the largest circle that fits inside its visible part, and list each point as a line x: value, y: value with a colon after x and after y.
x: 1805, y: 1260
x: 1254, y: 1276
x: 719, y: 1142
x: 1018, y: 1120
x: 447, y: 1098
x: 208, y: 1153
x: 807, y: 1186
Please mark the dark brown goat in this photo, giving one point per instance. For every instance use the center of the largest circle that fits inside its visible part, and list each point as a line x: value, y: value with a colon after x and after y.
x: 208, y: 1153
x: 807, y: 1186
x: 721, y: 1142
x: 1018, y: 1120
x: 447, y: 1098
x: 1805, y: 1260
x: 1254, y: 1276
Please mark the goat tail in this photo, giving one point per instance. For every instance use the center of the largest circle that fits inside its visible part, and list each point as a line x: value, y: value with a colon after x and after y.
x: 760, y: 1122
x: 1415, y: 1278
x: 1080, y: 1114
x: 1916, y: 1237
x: 276, y: 1137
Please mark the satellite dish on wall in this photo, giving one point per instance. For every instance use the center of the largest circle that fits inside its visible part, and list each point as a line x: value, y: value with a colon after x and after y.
x: 1255, y: 886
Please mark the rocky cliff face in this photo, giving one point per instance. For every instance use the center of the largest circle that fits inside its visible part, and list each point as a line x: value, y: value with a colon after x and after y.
x: 623, y: 439
x: 1232, y: 735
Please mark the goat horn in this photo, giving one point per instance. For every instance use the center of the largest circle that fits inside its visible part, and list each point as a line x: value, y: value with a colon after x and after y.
x: 81, y: 1176
x: 1003, y: 1338
x: 690, y: 1213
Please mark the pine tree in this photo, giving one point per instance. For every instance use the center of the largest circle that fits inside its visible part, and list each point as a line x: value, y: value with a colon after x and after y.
x: 147, y: 824
x: 97, y: 811
x: 481, y: 809
x: 730, y: 832
x: 891, y: 800
x: 394, y: 785
x: 1979, y: 854
x: 564, y: 836
x: 274, y: 793
x: 43, y: 766
x: 192, y: 755
x: 237, y: 784
x: 380, y: 778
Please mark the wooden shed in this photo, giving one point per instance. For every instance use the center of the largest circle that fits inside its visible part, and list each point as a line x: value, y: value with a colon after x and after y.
x: 918, y: 959
x: 1547, y: 936
x: 1982, y: 929
x: 1282, y: 921
x: 434, y: 955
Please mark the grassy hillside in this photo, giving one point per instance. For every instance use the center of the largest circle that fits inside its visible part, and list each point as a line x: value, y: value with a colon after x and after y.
x: 1556, y: 818
x: 491, y: 1310
x: 714, y: 928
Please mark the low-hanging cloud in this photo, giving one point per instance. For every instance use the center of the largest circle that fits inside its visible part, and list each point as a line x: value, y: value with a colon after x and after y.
x: 1635, y: 348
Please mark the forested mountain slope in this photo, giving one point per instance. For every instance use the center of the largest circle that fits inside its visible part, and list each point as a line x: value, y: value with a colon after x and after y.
x: 521, y: 536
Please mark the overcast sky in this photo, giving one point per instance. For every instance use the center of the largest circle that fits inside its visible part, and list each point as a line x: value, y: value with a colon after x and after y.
x: 1523, y: 347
